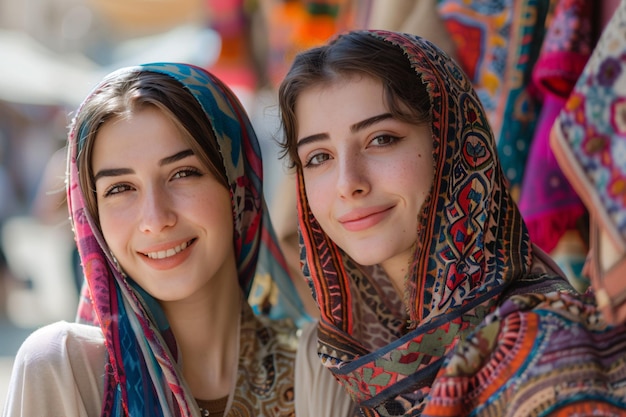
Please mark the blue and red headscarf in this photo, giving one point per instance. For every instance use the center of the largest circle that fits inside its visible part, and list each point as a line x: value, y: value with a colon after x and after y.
x: 143, y: 375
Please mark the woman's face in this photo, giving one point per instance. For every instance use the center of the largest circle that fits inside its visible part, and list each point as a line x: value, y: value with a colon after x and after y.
x: 366, y: 173
x: 165, y: 217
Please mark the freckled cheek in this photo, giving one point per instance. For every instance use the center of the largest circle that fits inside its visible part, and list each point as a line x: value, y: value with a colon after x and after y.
x: 414, y: 179
x: 421, y: 167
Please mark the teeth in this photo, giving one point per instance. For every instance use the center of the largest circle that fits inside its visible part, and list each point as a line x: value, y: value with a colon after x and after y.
x: 162, y: 254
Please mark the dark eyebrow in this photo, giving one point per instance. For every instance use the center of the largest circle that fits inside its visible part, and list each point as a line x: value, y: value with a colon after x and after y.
x: 370, y: 121
x: 115, y: 172
x: 354, y: 128
x: 177, y: 157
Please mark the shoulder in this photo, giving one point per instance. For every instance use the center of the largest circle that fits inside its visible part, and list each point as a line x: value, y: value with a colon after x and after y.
x: 60, y: 339
x: 62, y: 349
x: 307, y: 343
x: 536, y: 340
x: 526, y: 323
x: 59, y: 370
x: 539, y: 320
x: 308, y: 364
x: 265, y: 379
x: 317, y: 392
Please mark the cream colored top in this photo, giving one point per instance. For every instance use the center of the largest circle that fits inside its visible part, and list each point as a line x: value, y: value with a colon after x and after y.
x: 317, y: 392
x: 59, y: 371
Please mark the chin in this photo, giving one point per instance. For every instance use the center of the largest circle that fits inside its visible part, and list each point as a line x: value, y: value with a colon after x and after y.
x: 365, y: 260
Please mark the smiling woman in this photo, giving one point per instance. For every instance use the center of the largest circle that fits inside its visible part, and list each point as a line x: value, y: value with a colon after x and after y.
x: 433, y: 299
x: 141, y: 193
x: 372, y: 215
x: 165, y: 196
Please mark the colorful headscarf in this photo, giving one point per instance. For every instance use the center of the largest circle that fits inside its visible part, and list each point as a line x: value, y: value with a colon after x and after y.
x: 472, y: 254
x: 589, y: 141
x: 143, y: 374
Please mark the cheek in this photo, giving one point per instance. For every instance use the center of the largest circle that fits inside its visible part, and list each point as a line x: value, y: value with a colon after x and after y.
x: 319, y: 197
x: 114, y: 227
x: 214, y: 213
x: 418, y: 176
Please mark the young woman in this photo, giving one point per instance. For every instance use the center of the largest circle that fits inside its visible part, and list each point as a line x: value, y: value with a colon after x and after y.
x: 433, y: 300
x: 165, y: 196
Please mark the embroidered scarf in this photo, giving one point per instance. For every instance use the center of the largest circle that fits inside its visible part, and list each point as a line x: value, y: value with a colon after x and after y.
x: 471, y: 254
x: 546, y: 349
x: 472, y: 243
x: 589, y: 141
x: 143, y: 375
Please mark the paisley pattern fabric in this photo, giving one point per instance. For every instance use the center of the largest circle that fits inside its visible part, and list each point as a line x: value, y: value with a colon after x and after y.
x: 143, y: 374
x: 539, y: 354
x: 589, y: 141
x: 476, y: 294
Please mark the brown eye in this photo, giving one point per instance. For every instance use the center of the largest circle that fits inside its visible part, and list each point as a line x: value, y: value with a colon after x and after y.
x: 187, y: 172
x: 384, y: 140
x: 116, y: 189
x: 317, y: 159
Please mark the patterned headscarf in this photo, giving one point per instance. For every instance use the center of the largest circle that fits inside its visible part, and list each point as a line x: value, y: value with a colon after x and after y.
x: 472, y: 246
x: 589, y: 141
x: 143, y: 375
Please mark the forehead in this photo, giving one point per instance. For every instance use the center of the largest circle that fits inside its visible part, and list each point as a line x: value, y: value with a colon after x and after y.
x: 136, y: 135
x: 341, y: 102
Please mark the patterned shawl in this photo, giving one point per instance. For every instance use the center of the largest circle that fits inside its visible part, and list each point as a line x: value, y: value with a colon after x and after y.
x: 472, y: 253
x: 143, y: 374
x: 589, y: 141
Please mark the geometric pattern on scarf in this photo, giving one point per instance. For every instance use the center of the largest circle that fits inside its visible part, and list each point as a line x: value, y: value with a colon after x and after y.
x: 589, y: 141
x: 143, y: 374
x: 539, y: 354
x: 471, y: 244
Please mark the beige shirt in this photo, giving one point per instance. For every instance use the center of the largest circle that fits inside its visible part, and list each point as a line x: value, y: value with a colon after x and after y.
x: 58, y: 372
x: 317, y: 392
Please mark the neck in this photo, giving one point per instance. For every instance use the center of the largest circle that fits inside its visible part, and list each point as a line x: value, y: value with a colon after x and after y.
x: 207, y: 335
x: 397, y: 268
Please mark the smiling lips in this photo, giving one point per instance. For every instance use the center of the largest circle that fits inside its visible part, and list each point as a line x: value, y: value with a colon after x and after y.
x: 162, y: 254
x: 169, y: 258
x: 361, y: 219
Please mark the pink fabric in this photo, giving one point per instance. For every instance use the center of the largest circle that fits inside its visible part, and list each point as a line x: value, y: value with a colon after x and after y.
x: 547, y: 201
x: 589, y: 140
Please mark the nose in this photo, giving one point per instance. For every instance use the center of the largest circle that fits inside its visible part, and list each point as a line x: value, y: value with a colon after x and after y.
x: 157, y: 211
x: 353, y: 175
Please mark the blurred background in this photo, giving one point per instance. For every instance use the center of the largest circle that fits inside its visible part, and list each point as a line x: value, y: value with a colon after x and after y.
x: 522, y: 56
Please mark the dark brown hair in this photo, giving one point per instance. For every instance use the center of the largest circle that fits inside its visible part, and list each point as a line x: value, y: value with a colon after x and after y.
x: 353, y: 54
